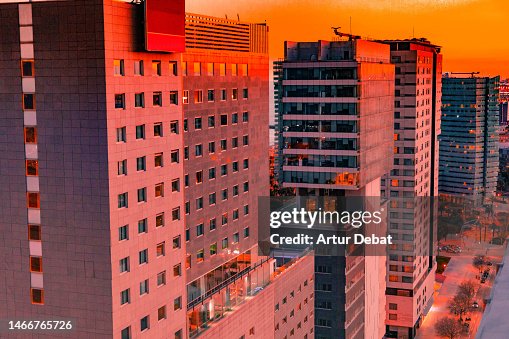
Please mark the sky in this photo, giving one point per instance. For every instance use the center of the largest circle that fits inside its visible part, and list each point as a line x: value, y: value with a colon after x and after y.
x: 472, y: 33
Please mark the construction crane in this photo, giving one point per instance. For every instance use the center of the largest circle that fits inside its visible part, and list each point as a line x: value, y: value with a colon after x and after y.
x: 341, y: 34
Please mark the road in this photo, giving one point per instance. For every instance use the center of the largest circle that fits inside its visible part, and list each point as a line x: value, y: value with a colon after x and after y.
x: 460, y: 268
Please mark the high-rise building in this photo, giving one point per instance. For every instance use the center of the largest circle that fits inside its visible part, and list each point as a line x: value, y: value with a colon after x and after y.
x: 412, y: 184
x: 335, y: 120
x: 135, y: 150
x: 469, y: 138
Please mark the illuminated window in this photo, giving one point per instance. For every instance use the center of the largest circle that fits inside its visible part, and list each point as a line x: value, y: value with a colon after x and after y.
x: 177, y: 270
x: 213, y: 248
x: 185, y: 97
x: 118, y: 67
x: 393, y: 278
x: 32, y: 167
x: 33, y: 200
x: 222, y: 69
x: 156, y: 67
x: 37, y: 295
x: 158, y: 160
x: 234, y: 69
x: 27, y: 68
x: 210, y: 68
x: 198, y: 96
x: 243, y: 69
x: 34, y: 232
x: 235, y: 93
x: 35, y: 264
x: 200, y: 255
x: 28, y: 101
x: 395, y: 182
x: 197, y: 68
x: 160, y: 249
x: 160, y: 220
x: 161, y: 313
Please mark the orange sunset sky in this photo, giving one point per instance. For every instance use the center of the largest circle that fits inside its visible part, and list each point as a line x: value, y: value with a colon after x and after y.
x: 472, y: 33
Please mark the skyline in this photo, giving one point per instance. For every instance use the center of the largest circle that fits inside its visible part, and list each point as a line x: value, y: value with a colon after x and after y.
x: 377, y: 21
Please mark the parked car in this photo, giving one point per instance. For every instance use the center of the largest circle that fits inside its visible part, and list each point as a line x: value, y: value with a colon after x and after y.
x: 475, y: 304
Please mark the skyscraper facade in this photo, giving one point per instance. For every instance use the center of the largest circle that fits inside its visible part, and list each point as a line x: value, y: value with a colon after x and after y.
x: 469, y: 138
x: 122, y: 148
x: 412, y: 183
x: 335, y: 117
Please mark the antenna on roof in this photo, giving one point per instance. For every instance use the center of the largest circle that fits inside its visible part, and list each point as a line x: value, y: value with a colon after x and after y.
x: 226, y: 16
x: 238, y: 17
x: 341, y: 34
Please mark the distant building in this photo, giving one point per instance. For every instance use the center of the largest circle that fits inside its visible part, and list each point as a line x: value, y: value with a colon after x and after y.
x: 469, y: 139
x: 334, y: 138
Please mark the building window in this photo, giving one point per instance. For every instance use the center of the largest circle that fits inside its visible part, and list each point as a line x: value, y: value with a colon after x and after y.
x: 177, y: 270
x: 175, y: 185
x: 199, y: 203
x: 197, y: 123
x: 224, y: 119
x: 186, y: 153
x: 123, y: 232
x: 210, y: 68
x: 126, y: 333
x: 212, y: 173
x: 224, y: 194
x: 243, y: 70
x: 177, y: 303
x: 210, y: 95
x: 393, y: 307
x: 245, y: 163
x: 393, y: 316
x: 222, y: 69
x: 156, y: 67
x: 27, y: 68
x: 161, y: 278
x: 158, y: 160
x: 142, y: 194
x: 34, y: 232
x: 212, y: 198
x: 141, y: 164
x: 118, y: 67
x: 157, y: 99
x: 212, y: 224
x: 198, y: 96
x: 119, y: 100
x: 125, y: 297
x: 144, y: 287
x: 124, y: 264
x: 173, y: 68
x: 35, y: 264
x: 174, y: 97
x: 183, y: 66
x: 235, y: 118
x: 235, y: 142
x: 30, y: 135
x: 245, y: 116
x: 199, y: 177
x: 212, y: 147
x: 143, y: 257
x: 37, y: 296
x: 28, y: 101
x: 138, y: 67
x: 211, y: 121
x: 161, y: 313
x: 121, y: 134
x: 144, y: 323
x: 197, y: 68
x: 198, y: 150
x: 236, y: 238
x: 139, y: 100
x: 246, y: 187
x: 188, y: 261
x: 235, y: 93
x: 235, y: 190
x: 246, y: 232
x: 33, y: 200
x: 185, y: 97
x: 176, y: 242
x: 160, y: 249
x: 224, y: 243
x: 245, y: 140
x: 245, y: 93
x: 174, y: 127
x: 223, y: 94
x: 142, y: 226
x: 160, y: 219
x: 213, y: 249
x: 224, y: 170
x: 200, y: 255
x: 158, y: 129
x: 32, y: 167
x: 175, y: 214
x: 246, y: 209
x: 234, y: 69
x: 140, y: 132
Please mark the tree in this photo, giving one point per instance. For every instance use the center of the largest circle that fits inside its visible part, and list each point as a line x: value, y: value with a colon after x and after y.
x: 467, y: 289
x: 460, y: 304
x: 448, y: 327
x: 479, y: 262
